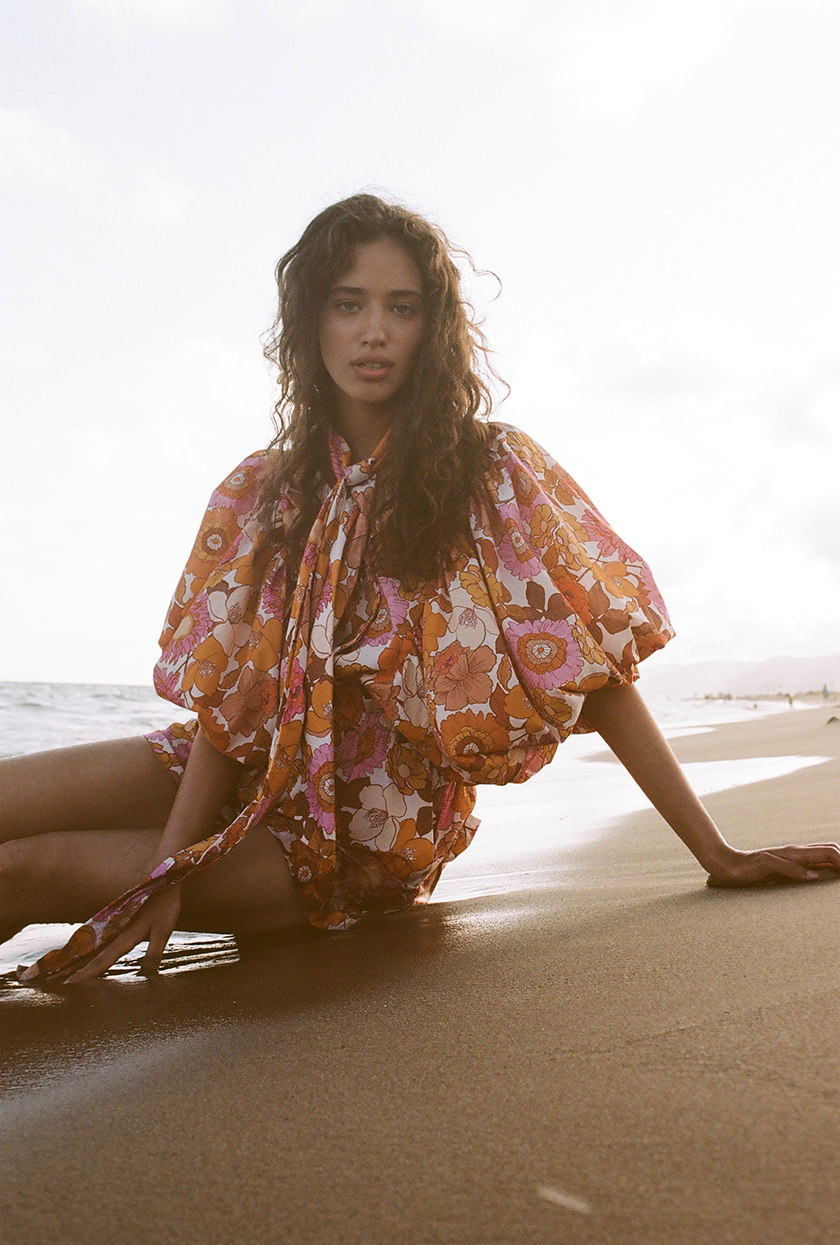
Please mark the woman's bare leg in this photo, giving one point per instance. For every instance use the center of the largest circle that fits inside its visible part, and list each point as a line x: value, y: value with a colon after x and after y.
x: 68, y: 876
x: 117, y: 784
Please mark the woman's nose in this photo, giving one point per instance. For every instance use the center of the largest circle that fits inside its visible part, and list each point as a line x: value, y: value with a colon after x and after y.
x: 373, y: 330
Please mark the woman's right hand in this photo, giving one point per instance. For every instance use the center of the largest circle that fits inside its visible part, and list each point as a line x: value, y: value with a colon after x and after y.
x: 155, y: 922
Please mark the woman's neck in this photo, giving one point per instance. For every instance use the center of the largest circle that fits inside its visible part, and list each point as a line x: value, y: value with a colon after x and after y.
x: 363, y: 428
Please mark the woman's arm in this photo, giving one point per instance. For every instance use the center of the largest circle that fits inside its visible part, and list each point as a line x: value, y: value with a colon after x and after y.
x: 624, y: 722
x: 209, y: 778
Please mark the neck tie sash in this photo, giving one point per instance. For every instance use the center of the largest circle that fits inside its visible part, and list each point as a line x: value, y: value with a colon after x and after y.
x: 300, y: 778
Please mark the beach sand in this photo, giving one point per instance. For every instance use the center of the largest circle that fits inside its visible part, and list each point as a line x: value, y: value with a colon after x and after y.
x: 627, y: 1057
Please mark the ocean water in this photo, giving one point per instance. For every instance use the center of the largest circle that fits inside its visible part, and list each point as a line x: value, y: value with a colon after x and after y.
x: 36, y: 716
x: 580, y: 795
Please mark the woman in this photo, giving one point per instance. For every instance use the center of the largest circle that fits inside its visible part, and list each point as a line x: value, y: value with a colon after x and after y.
x: 395, y: 602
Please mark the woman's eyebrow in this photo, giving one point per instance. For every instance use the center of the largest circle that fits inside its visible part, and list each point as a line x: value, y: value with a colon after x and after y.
x: 358, y: 289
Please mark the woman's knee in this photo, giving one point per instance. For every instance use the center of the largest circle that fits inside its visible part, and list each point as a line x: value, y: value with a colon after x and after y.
x: 115, y: 784
x: 248, y: 890
x: 16, y: 881
x: 68, y: 876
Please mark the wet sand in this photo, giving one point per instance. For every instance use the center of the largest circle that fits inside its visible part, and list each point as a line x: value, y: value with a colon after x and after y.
x: 628, y: 1057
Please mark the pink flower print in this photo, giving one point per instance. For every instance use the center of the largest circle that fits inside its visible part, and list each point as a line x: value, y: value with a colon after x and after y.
x: 320, y: 789
x: 514, y: 550
x: 310, y: 553
x: 291, y: 678
x: 600, y: 531
x: 194, y: 627
x: 649, y: 594
x: 389, y: 615
x: 363, y: 749
x: 273, y: 602
x: 167, y: 684
x: 545, y: 652
x: 238, y: 490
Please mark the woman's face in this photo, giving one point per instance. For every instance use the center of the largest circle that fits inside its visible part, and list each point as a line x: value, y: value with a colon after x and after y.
x: 371, y: 326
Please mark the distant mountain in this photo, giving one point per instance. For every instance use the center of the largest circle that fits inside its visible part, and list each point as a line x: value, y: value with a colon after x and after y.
x: 741, y: 678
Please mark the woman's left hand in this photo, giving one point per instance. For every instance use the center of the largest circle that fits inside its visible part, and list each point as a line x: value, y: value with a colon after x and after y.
x: 155, y: 922
x: 776, y: 864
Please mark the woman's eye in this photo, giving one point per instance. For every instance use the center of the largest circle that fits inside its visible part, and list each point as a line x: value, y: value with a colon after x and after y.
x: 404, y: 309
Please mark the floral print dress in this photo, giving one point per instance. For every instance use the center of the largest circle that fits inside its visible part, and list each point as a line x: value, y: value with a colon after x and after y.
x: 364, y: 713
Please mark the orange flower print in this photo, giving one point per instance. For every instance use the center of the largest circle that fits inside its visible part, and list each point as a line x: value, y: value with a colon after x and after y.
x: 543, y: 524
x: 459, y: 676
x: 215, y: 536
x: 419, y: 853
x: 532, y: 454
x: 472, y: 581
x: 392, y: 658
x: 305, y: 864
x: 239, y: 489
x: 561, y: 486
x: 469, y: 737
x: 613, y: 575
x: 545, y: 652
x: 205, y: 669
x: 319, y: 718
x: 363, y: 749
x: 262, y: 648
x: 407, y: 769
x: 575, y: 596
x: 435, y: 626
x: 525, y: 487
x: 519, y: 708
x: 591, y: 651
x: 251, y: 703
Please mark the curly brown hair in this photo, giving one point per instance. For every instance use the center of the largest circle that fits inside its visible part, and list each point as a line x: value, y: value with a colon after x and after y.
x: 434, y: 461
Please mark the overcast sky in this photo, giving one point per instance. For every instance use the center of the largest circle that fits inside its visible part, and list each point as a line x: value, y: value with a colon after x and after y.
x: 656, y: 183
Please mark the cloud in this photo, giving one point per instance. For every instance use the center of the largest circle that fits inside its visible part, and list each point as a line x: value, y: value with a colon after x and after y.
x: 613, y: 57
x: 165, y: 14
x: 47, y: 156
x: 603, y: 59
x: 114, y: 475
x: 714, y: 452
x: 38, y: 155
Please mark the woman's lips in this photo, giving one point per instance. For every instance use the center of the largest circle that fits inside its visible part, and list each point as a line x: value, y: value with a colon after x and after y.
x: 372, y: 369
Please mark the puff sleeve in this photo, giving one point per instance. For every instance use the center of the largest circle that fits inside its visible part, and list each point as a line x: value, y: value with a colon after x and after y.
x: 222, y: 640
x: 550, y: 604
